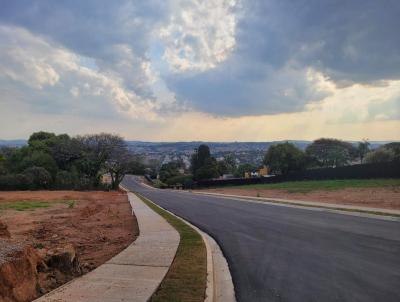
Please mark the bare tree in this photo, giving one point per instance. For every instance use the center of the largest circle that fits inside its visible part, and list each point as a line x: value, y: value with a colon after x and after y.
x: 118, y: 164
x: 105, y: 153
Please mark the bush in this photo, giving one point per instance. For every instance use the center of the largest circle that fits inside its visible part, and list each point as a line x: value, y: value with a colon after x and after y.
x: 159, y: 184
x: 16, y: 182
x: 381, y: 155
x: 40, y: 176
x: 66, y: 180
x: 179, y: 180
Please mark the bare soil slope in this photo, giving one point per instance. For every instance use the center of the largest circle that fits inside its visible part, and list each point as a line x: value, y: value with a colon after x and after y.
x: 83, y: 228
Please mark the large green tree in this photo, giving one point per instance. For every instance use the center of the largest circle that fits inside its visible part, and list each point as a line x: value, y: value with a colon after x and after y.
x: 72, y: 163
x: 328, y: 152
x: 203, y: 165
x: 284, y: 158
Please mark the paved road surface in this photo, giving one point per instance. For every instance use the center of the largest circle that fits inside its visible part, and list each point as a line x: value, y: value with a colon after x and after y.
x: 279, y: 253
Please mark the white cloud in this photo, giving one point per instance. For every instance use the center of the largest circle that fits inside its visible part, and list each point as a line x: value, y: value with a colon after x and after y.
x: 23, y: 59
x: 200, y: 34
x: 32, y: 62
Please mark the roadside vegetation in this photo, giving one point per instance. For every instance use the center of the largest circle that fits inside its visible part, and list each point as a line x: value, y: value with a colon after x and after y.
x: 281, y: 159
x: 187, y: 276
x: 52, y: 161
x: 327, y: 185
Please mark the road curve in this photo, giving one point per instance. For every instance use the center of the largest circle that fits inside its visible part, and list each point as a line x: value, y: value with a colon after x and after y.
x: 279, y: 253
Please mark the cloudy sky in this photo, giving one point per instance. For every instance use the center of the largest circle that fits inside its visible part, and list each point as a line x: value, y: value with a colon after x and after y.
x: 219, y: 70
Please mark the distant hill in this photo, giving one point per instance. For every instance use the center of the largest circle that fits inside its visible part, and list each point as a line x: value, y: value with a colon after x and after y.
x: 188, y: 147
x: 13, y: 142
x: 216, y: 147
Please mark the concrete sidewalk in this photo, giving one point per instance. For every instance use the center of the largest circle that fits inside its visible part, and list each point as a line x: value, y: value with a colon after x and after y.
x: 135, y: 273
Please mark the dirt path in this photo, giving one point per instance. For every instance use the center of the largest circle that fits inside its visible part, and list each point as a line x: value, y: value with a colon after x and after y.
x: 385, y: 198
x: 98, y: 224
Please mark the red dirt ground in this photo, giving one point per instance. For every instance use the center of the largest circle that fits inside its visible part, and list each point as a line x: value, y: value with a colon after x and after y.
x: 385, y: 198
x: 99, y: 225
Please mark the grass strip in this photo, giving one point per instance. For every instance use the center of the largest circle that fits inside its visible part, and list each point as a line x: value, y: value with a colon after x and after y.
x: 24, y: 205
x: 186, y: 278
x: 31, y: 205
x: 306, y: 186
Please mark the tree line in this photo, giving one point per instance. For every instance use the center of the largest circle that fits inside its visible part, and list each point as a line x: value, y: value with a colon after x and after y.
x: 51, y: 161
x: 281, y: 159
x: 325, y: 152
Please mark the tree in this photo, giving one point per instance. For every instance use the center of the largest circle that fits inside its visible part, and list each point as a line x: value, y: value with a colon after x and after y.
x: 243, y: 168
x: 39, y: 159
x: 395, y: 148
x: 40, y: 136
x: 203, y: 165
x: 168, y: 171
x: 41, y: 178
x: 381, y: 155
x: 208, y: 170
x: 284, y: 158
x: 118, y: 160
x: 136, y: 166
x: 198, y: 157
x: 227, y: 165
x: 222, y: 167
x: 363, y: 149
x: 95, y: 150
x: 327, y: 152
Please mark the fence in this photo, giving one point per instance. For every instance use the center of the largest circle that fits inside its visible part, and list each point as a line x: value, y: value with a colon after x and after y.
x: 363, y: 171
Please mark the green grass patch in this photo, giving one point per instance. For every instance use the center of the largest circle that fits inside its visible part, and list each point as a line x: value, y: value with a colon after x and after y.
x: 24, y: 205
x: 325, y: 185
x: 186, y: 279
x: 70, y: 203
x: 31, y: 205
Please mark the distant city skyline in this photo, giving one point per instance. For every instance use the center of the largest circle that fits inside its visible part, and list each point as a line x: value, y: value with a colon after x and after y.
x: 212, y: 70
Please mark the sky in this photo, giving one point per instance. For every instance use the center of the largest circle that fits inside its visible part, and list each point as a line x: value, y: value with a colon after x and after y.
x: 209, y: 70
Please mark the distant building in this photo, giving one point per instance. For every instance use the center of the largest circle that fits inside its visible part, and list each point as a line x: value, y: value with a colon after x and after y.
x: 264, y: 171
x: 227, y: 176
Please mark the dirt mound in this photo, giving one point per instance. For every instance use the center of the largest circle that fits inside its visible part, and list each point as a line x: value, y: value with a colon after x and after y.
x: 18, y: 273
x: 4, y: 233
x: 27, y: 273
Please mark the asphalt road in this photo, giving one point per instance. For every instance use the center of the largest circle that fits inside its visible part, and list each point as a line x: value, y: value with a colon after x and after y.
x: 278, y: 253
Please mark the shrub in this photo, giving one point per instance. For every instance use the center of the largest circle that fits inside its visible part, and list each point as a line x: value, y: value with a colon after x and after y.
x: 159, y: 184
x: 66, y: 180
x: 381, y: 155
x: 16, y: 182
x: 179, y: 180
x: 41, y: 177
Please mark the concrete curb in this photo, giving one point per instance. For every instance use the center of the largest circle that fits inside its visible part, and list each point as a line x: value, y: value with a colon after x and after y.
x: 132, y: 275
x: 219, y: 280
x: 344, y: 209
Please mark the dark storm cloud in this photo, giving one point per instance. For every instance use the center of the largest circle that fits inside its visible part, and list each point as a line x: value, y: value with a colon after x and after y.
x: 276, y: 41
x: 277, y: 44
x: 115, y: 34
